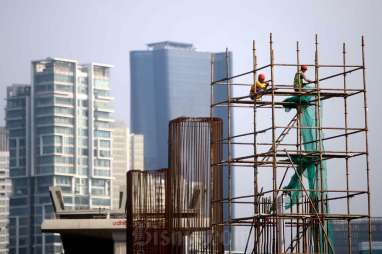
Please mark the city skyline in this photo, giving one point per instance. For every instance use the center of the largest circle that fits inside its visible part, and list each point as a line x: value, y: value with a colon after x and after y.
x: 205, y: 24
x: 107, y: 31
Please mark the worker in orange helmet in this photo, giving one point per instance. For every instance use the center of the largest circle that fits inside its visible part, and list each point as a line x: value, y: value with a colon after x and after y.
x: 300, y: 77
x: 258, y: 89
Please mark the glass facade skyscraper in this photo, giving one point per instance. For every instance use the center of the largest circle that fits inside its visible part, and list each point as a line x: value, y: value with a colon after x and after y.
x: 60, y: 135
x: 18, y: 114
x: 170, y: 80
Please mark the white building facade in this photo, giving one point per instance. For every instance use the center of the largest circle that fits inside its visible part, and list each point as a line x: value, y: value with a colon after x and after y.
x: 60, y: 135
x: 5, y: 188
x: 127, y: 154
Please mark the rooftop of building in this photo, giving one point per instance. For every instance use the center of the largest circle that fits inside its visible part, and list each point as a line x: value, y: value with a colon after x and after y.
x: 50, y: 59
x: 170, y: 45
x: 18, y: 86
x: 18, y: 90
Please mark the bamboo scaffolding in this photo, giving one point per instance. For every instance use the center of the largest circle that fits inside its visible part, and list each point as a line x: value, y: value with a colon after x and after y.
x: 272, y: 228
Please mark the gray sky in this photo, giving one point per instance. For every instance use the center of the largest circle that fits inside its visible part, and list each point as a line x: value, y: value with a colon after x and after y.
x: 105, y: 31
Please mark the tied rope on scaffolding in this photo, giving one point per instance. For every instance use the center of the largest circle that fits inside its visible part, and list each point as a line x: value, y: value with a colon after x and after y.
x: 307, y: 164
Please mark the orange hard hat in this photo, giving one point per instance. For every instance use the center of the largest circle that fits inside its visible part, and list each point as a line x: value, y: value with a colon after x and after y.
x: 304, y: 67
x: 261, y: 77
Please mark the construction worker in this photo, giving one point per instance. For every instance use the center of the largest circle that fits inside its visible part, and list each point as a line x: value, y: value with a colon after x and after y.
x: 299, y: 79
x: 258, y: 89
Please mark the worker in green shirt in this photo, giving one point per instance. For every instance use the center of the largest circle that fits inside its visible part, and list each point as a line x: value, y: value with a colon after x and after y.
x: 299, y: 79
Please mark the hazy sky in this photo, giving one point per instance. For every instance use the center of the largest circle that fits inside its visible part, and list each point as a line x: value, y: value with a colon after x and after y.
x: 105, y: 31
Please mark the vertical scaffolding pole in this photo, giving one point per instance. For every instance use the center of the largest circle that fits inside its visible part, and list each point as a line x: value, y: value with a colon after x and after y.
x: 299, y: 137
x: 255, y: 186
x: 349, y: 243
x: 319, y: 147
x: 366, y: 138
x: 212, y: 98
x: 276, y: 229
x: 254, y: 227
x: 229, y: 153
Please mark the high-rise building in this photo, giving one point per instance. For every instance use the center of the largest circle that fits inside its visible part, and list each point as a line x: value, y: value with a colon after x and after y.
x: 60, y: 135
x: 18, y: 114
x: 169, y: 80
x: 5, y: 188
x: 127, y: 154
x: 359, y: 236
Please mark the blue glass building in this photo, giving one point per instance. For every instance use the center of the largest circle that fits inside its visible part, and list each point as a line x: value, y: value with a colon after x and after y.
x: 170, y: 80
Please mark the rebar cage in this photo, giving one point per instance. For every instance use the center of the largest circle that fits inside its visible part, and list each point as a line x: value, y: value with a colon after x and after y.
x: 320, y: 158
x: 172, y: 210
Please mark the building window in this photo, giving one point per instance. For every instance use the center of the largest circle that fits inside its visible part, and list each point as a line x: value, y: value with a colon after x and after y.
x: 100, y: 202
x: 104, y: 143
x: 102, y: 163
x: 63, y: 181
x: 102, y: 134
x: 51, y: 144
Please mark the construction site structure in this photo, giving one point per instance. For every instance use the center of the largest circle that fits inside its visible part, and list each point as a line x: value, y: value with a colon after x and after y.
x: 289, y: 208
x: 171, y: 210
